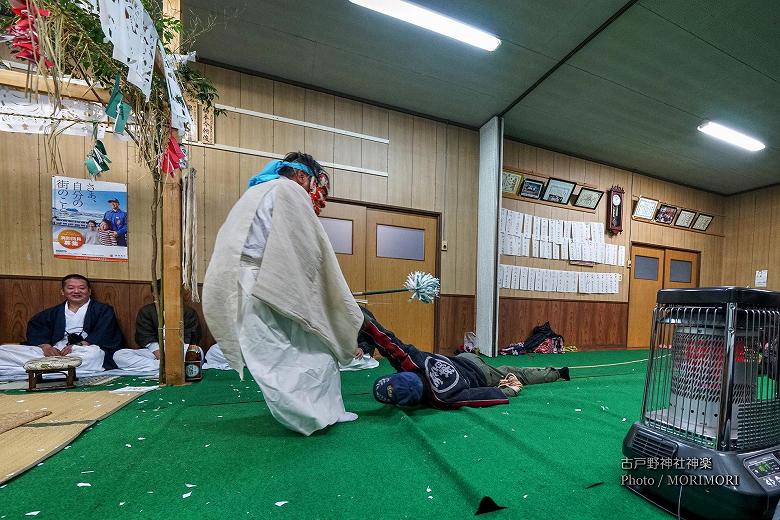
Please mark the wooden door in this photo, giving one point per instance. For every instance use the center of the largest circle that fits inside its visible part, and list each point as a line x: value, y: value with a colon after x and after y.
x: 396, y: 245
x: 647, y: 278
x: 681, y: 269
x: 653, y: 269
x: 345, y: 225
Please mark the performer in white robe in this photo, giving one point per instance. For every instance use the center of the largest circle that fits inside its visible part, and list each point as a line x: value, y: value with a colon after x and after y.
x: 274, y: 298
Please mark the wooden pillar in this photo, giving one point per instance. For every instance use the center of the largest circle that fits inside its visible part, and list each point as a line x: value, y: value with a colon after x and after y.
x: 171, y: 256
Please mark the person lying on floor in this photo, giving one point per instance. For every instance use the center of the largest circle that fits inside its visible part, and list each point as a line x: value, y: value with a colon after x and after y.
x: 79, y: 326
x: 147, y: 358
x: 446, y: 381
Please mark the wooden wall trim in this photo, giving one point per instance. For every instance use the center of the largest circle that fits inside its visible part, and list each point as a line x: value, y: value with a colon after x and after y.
x: 588, y: 325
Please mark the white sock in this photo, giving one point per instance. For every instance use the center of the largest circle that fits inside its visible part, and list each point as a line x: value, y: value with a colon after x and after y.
x: 347, y: 417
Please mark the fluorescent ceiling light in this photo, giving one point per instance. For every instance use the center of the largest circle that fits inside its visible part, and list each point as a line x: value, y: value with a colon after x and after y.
x: 433, y: 21
x: 731, y: 136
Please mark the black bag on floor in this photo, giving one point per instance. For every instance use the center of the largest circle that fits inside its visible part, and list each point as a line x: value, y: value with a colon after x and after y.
x: 538, y: 335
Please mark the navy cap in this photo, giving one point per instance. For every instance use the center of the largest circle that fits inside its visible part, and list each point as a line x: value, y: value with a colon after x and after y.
x: 403, y: 388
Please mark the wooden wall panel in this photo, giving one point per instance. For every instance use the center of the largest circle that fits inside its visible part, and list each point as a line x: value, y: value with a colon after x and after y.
x: 589, y: 325
x: 21, y: 213
x: 752, y: 240
x: 457, y: 316
x: 348, y: 115
x: 375, y: 156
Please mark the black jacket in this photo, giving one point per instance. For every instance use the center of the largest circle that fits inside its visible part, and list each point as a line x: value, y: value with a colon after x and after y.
x: 146, y: 326
x: 48, y: 326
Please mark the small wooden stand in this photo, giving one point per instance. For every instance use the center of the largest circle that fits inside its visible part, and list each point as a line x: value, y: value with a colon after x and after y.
x: 35, y: 376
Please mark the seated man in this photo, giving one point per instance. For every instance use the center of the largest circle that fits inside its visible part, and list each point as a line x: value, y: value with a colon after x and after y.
x: 78, y: 327
x: 147, y: 358
x: 447, y: 381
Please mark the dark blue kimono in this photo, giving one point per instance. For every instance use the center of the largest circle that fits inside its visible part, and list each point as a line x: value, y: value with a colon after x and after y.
x: 48, y: 326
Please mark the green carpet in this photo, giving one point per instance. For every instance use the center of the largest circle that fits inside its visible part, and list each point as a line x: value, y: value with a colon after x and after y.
x: 537, y: 456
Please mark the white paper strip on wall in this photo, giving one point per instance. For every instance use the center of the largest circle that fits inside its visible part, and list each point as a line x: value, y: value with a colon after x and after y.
x: 537, y: 226
x: 528, y: 225
x: 544, y: 228
x: 517, y: 246
x: 556, y: 252
x: 586, y: 231
x: 622, y: 256
x: 565, y: 250
x: 507, y: 276
x: 546, y: 280
x: 573, y: 282
x: 525, y: 247
x: 534, y: 248
x: 611, y: 255
x: 515, y: 277
x: 523, y: 284
x: 600, y: 231
x: 510, y: 221
x: 578, y: 231
x: 539, y: 280
x: 502, y: 216
x: 500, y: 275
x: 595, y: 232
x: 567, y: 230
x: 531, y: 279
x: 600, y: 252
x: 575, y: 251
x: 545, y: 249
x: 517, y: 228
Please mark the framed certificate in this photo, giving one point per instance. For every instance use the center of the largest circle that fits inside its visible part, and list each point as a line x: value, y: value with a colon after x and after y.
x: 702, y: 222
x: 531, y: 188
x: 558, y: 191
x: 588, y: 198
x: 645, y: 208
x: 511, y: 182
x: 685, y: 218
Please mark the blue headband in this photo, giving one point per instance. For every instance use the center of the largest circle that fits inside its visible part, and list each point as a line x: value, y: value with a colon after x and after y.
x: 271, y: 171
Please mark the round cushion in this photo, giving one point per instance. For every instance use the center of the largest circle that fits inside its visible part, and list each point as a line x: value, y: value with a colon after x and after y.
x: 52, y: 363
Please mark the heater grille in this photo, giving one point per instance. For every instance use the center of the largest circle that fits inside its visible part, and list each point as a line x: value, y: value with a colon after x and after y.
x: 712, y: 374
x: 652, y: 447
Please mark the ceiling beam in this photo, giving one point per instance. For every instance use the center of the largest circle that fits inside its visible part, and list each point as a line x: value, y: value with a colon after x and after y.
x: 566, y: 58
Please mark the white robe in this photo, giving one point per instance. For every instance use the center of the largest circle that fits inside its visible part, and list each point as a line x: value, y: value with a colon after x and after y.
x: 275, y: 300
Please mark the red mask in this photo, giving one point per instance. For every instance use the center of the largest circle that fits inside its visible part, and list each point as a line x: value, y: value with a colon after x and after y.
x: 319, y: 193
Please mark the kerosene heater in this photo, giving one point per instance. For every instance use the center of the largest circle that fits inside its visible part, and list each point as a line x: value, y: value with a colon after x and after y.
x: 707, y: 444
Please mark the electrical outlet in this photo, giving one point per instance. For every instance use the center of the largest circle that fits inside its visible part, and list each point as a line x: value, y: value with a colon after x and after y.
x: 443, y: 245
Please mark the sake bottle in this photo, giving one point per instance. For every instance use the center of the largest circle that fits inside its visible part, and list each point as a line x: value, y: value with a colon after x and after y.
x: 192, y: 364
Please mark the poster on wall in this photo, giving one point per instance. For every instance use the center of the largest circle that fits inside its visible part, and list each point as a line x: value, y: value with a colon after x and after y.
x: 89, y: 219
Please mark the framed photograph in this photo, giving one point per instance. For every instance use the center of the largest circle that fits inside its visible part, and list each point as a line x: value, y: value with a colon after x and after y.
x: 666, y: 214
x: 685, y: 218
x: 645, y: 208
x: 531, y: 188
x: 558, y: 191
x: 511, y: 182
x: 702, y: 222
x: 588, y: 198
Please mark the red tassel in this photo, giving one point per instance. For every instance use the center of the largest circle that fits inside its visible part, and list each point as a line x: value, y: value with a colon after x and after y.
x: 173, y: 156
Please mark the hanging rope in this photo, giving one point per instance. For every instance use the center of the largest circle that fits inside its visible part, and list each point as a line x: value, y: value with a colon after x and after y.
x: 189, y: 234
